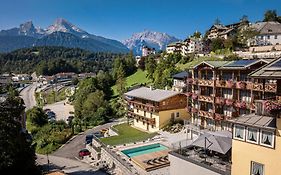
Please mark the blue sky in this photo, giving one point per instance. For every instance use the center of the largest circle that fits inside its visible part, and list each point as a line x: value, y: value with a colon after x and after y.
x: 119, y: 19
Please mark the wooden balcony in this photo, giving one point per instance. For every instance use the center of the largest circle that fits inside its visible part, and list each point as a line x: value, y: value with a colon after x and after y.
x: 220, y: 83
x: 146, y: 107
x: 202, y: 82
x: 204, y: 98
x: 241, y: 85
x: 219, y: 116
x: 150, y: 121
x: 220, y: 100
x: 206, y: 114
x: 240, y: 104
x: 270, y: 87
x: 254, y: 86
x: 229, y: 102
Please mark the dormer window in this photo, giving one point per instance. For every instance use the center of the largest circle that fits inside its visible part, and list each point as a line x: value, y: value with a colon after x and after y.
x: 267, y: 138
x: 252, y: 135
x: 269, y: 30
x: 239, y: 132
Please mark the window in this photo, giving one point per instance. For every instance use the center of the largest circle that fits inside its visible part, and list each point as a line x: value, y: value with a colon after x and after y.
x: 268, y: 37
x: 239, y: 132
x: 267, y: 138
x: 275, y: 37
x: 144, y: 113
x: 257, y: 168
x: 137, y: 109
x: 252, y: 135
x: 177, y: 114
x: 151, y: 115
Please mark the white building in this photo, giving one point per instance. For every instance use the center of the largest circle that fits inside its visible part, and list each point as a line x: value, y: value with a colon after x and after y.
x: 148, y: 51
x: 269, y: 34
x: 190, y: 45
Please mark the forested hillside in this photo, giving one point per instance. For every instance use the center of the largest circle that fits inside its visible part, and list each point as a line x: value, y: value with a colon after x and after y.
x: 51, y: 60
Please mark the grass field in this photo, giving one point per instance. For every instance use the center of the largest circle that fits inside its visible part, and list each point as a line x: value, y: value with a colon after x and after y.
x: 138, y: 77
x: 196, y: 61
x: 127, y: 134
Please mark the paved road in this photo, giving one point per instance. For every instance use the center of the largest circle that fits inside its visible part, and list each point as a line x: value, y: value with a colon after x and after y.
x: 69, y: 166
x: 28, y: 97
x: 72, y: 147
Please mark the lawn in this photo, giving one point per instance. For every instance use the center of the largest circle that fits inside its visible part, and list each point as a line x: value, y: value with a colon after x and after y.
x: 138, y: 77
x: 196, y: 61
x: 127, y: 134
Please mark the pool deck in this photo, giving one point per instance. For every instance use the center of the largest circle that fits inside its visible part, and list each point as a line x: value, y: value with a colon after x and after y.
x: 140, y: 160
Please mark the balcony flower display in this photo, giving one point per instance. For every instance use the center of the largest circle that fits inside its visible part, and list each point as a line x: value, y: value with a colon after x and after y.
x: 272, y: 107
x: 194, y: 96
x: 193, y: 110
x: 189, y: 80
x: 241, y: 85
x: 229, y: 83
x: 189, y: 94
x: 220, y: 100
x: 188, y: 109
x: 221, y: 83
x: 241, y: 104
x: 228, y: 102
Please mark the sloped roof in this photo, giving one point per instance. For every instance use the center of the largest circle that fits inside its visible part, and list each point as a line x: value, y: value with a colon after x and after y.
x: 213, y: 64
x: 255, y: 121
x: 181, y: 75
x: 151, y: 94
x: 243, y: 64
x: 269, y: 71
x: 270, y: 27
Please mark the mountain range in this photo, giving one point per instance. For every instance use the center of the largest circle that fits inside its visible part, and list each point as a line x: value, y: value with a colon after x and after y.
x: 60, y: 33
x: 64, y: 33
x: 152, y: 39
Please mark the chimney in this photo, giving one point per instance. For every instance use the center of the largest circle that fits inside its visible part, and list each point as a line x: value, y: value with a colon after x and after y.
x: 150, y: 87
x: 166, y: 87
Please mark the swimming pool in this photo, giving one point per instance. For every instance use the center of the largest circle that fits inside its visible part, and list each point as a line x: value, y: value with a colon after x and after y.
x: 144, y: 150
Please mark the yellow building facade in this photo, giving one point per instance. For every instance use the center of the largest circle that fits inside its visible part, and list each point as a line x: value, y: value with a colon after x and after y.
x: 257, y: 158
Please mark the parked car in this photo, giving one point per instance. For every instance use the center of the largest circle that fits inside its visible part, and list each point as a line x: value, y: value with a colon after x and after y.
x: 98, y: 134
x: 84, y: 152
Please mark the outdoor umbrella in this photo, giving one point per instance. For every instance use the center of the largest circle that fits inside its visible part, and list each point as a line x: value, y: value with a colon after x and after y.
x: 213, y: 142
x: 223, y: 133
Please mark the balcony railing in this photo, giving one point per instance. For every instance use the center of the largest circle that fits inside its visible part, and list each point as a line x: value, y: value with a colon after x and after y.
x: 219, y: 116
x: 220, y: 100
x: 254, y: 86
x: 202, y: 82
x: 206, y: 114
x: 220, y: 83
x: 141, y: 118
x: 146, y: 107
x: 241, y: 85
x: 206, y: 98
x: 240, y: 104
x: 270, y: 87
x: 229, y: 102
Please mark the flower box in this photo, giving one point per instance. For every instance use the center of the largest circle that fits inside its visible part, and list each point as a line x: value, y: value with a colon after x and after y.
x: 241, y: 85
x: 193, y: 110
x: 228, y: 102
x: 229, y: 84
x: 194, y: 96
x: 221, y: 83
x: 241, y: 104
x: 220, y: 100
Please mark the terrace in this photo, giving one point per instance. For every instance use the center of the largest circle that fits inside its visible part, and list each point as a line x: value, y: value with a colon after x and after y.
x: 211, y: 160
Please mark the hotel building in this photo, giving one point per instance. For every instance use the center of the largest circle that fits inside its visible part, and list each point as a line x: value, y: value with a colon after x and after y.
x: 256, y: 144
x: 221, y: 90
x: 152, y: 109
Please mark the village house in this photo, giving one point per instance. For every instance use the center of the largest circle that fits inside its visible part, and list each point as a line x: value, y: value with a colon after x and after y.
x: 152, y: 109
x: 147, y: 51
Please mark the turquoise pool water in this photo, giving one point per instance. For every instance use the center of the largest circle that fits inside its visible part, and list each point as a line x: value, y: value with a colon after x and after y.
x: 144, y: 150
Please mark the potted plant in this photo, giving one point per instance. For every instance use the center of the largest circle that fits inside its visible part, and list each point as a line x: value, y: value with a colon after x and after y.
x: 194, y: 96
x: 229, y: 83
x: 228, y: 102
x: 241, y: 85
